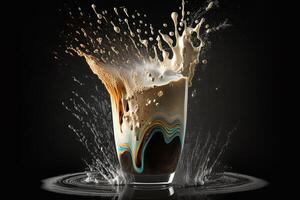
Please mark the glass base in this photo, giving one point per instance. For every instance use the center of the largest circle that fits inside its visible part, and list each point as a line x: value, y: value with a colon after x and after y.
x: 162, y: 179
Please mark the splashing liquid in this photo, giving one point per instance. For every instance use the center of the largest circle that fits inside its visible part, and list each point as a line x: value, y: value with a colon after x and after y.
x: 132, y: 61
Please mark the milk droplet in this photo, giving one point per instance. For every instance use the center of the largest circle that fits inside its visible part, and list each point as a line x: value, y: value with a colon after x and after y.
x: 160, y: 93
x: 116, y: 29
x: 165, y: 25
x: 137, y: 125
x: 125, y: 11
x: 138, y: 30
x: 204, y: 61
x: 171, y: 33
x: 116, y: 10
x: 194, y: 93
x: 209, y: 6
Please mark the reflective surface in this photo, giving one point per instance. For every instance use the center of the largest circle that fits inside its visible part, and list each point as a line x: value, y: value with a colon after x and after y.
x: 227, y: 182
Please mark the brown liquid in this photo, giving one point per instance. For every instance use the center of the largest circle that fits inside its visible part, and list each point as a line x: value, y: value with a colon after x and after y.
x: 159, y: 157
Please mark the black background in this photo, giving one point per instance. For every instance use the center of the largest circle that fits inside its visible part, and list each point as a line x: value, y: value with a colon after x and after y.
x: 244, y: 63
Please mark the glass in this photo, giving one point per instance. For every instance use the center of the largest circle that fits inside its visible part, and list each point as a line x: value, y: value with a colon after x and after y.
x: 149, y: 131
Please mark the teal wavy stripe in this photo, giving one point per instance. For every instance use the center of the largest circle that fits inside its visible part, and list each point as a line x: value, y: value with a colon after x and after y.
x: 168, y: 134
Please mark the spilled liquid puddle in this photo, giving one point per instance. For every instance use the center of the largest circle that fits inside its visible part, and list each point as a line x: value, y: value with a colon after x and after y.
x: 77, y: 184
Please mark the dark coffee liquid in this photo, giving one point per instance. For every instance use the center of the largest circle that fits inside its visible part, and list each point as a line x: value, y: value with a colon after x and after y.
x: 159, y: 157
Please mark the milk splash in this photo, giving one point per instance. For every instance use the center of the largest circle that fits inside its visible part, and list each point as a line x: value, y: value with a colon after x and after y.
x: 132, y: 59
x: 199, y: 159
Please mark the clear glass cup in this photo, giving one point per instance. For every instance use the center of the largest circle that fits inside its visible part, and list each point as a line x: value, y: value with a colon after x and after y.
x: 149, y: 131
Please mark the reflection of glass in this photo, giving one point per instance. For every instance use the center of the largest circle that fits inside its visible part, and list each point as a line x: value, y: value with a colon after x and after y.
x: 149, y: 131
x: 139, y: 192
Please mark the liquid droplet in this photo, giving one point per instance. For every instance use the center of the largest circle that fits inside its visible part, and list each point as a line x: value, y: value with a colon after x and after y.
x: 160, y: 93
x: 194, y: 93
